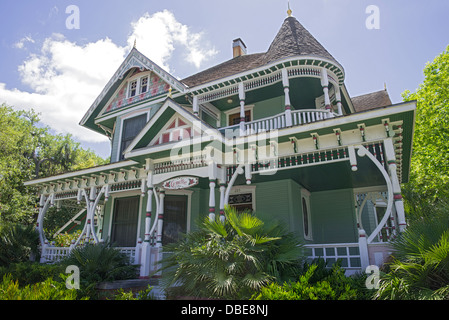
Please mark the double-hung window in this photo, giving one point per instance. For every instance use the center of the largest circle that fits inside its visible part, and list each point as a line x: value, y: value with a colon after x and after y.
x: 131, y: 128
x: 143, y: 84
x: 133, y: 88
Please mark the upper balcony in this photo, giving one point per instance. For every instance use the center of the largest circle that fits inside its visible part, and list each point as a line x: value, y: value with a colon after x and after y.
x: 279, y: 121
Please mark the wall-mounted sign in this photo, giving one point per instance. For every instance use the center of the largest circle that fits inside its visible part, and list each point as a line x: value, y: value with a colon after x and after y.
x: 180, y: 183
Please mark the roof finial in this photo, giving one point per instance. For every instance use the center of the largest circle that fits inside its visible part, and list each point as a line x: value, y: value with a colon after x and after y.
x: 135, y: 42
x: 289, y: 11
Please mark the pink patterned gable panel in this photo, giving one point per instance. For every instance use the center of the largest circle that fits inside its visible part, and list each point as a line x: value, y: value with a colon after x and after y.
x: 156, y: 87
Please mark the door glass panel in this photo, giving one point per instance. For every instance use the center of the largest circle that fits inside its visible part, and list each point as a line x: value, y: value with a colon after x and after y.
x: 124, y: 223
x: 175, y: 218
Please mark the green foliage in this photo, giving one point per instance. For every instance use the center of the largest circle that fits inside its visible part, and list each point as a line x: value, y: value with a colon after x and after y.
x: 28, y: 150
x: 429, y: 174
x: 17, y: 243
x: 316, y: 283
x: 65, y: 239
x: 28, y: 273
x: 129, y: 295
x: 420, y: 269
x: 230, y: 259
x: 46, y: 290
x: 98, y: 263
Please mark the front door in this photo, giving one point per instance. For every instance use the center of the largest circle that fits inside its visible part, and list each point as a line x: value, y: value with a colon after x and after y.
x: 175, y: 218
x: 124, y: 222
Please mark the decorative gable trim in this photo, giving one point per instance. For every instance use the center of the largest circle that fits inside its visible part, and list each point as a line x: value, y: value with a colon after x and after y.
x: 179, y: 123
x: 177, y: 128
x: 135, y: 59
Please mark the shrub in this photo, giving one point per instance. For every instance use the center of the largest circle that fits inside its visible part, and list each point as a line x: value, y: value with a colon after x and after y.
x: 46, y: 290
x: 317, y: 283
x: 17, y: 243
x: 230, y: 259
x: 130, y: 295
x: 32, y: 272
x: 100, y: 262
x: 420, y: 268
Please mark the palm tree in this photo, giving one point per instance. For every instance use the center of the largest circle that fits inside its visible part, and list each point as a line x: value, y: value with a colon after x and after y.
x: 420, y: 269
x: 231, y: 259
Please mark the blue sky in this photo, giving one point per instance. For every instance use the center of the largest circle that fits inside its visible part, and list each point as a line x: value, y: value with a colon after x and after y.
x: 60, y: 71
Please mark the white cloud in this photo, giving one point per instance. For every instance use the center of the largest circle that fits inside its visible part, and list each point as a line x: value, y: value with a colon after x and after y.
x: 21, y: 43
x: 64, y: 78
x: 159, y: 34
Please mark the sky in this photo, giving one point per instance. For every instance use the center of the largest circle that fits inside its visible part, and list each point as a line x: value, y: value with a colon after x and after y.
x: 56, y: 56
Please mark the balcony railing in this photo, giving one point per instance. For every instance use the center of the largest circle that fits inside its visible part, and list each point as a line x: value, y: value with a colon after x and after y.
x: 299, y: 117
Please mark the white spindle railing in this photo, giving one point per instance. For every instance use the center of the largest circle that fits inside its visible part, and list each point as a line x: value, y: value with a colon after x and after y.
x: 55, y: 254
x: 51, y: 254
x: 348, y: 253
x: 265, y: 124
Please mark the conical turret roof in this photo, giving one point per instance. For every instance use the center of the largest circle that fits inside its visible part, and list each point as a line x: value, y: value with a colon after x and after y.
x: 291, y: 40
x: 294, y: 40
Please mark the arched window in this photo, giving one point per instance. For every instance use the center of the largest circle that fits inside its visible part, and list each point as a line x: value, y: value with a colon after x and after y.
x: 306, y: 214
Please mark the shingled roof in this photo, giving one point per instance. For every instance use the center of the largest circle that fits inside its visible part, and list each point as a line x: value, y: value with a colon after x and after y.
x: 291, y: 40
x: 371, y: 101
x: 294, y: 40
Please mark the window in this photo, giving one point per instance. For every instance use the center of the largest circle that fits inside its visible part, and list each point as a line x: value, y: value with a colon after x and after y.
x: 143, y: 85
x: 306, y: 214
x: 175, y: 218
x: 124, y: 222
x: 235, y: 117
x: 132, y: 88
x: 242, y: 201
x: 243, y: 198
x: 131, y: 128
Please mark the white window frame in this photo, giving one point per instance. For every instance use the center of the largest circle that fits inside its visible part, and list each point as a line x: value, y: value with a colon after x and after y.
x: 122, y: 120
x: 130, y: 86
x: 125, y: 194
x: 245, y: 189
x: 237, y: 110
x: 140, y: 84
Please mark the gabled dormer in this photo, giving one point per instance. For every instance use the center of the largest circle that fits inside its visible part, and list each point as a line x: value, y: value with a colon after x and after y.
x: 134, y: 93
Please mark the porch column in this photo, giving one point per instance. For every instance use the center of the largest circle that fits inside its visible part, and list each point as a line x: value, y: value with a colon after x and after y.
x: 222, y: 199
x: 160, y: 222
x: 397, y: 195
x: 288, y: 111
x: 195, y: 106
x: 212, y: 167
x: 146, y: 246
x: 242, y: 108
x: 90, y: 211
x: 212, y: 200
x: 338, y: 98
x: 325, y: 85
x: 363, y: 249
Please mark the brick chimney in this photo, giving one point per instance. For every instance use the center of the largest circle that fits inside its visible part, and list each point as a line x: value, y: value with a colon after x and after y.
x: 238, y: 48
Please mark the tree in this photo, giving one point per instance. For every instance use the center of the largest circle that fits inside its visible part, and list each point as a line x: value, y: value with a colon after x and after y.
x: 28, y: 150
x: 429, y: 174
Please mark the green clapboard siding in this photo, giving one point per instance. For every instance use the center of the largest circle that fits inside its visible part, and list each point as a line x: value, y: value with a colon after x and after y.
x: 333, y: 216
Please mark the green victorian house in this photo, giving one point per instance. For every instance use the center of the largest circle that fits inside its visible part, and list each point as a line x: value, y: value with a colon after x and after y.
x: 274, y: 132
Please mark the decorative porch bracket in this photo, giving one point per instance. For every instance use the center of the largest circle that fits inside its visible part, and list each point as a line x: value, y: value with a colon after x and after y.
x: 91, y: 204
x: 363, y: 239
x: 44, y: 204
